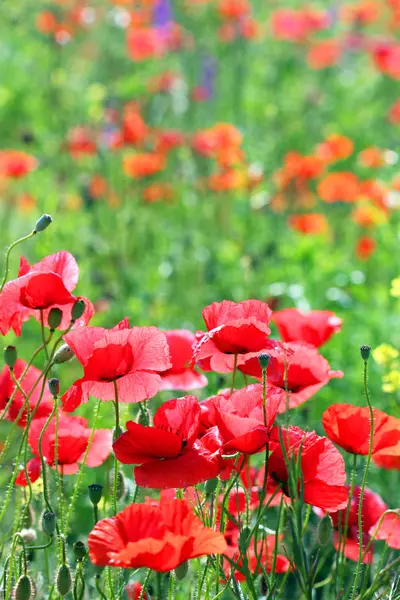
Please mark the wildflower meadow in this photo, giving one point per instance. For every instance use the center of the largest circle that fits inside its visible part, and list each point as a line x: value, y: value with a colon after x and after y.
x: 200, y: 299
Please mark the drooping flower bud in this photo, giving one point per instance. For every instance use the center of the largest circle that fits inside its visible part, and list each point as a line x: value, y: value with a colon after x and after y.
x: 23, y: 589
x: 54, y: 386
x: 117, y: 431
x: 182, y: 570
x: 78, y: 309
x: 28, y: 535
x: 365, y: 352
x: 324, y: 531
x: 95, y: 493
x: 63, y: 580
x: 55, y: 317
x: 79, y: 549
x: 63, y: 354
x: 211, y: 486
x: 42, y: 223
x: 10, y: 356
x: 263, y: 359
x: 121, y: 487
x: 49, y: 522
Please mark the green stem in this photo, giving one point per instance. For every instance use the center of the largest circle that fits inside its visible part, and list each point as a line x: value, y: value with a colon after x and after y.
x: 116, y: 405
x: 9, y: 250
x: 340, y: 554
x: 234, y: 373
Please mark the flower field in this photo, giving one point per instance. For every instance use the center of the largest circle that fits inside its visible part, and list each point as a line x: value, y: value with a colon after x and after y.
x: 200, y: 300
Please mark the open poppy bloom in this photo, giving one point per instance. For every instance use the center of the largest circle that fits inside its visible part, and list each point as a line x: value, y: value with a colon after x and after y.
x: 39, y: 288
x: 33, y: 469
x: 309, y: 224
x: 387, y: 456
x: 349, y: 427
x: 73, y: 439
x: 159, y: 537
x: 322, y: 467
x: 169, y: 453
x: 240, y: 418
x: 181, y: 375
x: 16, y: 164
x: 132, y: 358
x: 372, y: 509
x: 335, y: 147
x: 315, y: 327
x: 236, y: 333
x: 307, y: 372
x: 388, y: 529
x: 28, y: 384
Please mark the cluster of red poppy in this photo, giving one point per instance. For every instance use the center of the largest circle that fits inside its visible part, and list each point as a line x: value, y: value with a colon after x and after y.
x: 305, y: 179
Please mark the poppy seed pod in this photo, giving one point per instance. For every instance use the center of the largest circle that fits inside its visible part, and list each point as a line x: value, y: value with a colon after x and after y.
x: 63, y: 354
x: 10, y: 356
x: 211, y: 486
x: 77, y: 310
x: 263, y: 359
x: 23, y: 589
x: 365, y: 352
x: 63, y: 580
x: 79, y: 549
x: 54, y: 386
x: 95, y: 493
x: 42, y: 223
x: 55, y: 317
x: 182, y: 570
x: 324, y: 532
x: 49, y: 522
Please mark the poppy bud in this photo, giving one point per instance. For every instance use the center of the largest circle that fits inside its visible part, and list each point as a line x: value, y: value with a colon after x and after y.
x: 77, y: 310
x: 117, y: 431
x: 55, y: 317
x: 263, y: 359
x: 49, y: 522
x: 263, y: 586
x: 143, y: 417
x: 23, y: 589
x: 79, y: 550
x: 28, y: 535
x: 42, y: 223
x: 63, y: 580
x: 211, y: 486
x: 63, y: 354
x: 324, y: 531
x: 182, y: 570
x: 10, y: 356
x: 54, y: 386
x: 365, y: 352
x: 121, y: 487
x: 95, y: 493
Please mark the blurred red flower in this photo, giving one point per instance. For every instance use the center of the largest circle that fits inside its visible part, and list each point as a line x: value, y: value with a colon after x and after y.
x: 315, y: 327
x: 365, y: 247
x: 28, y: 384
x: 73, y: 439
x: 133, y: 358
x: 181, y: 376
x: 16, y: 164
x: 33, y: 468
x: 159, y: 537
x: 42, y: 286
x: 322, y: 466
x: 339, y: 187
x: 388, y: 529
x: 144, y: 43
x: 265, y: 556
x: 335, y: 147
x: 309, y: 224
x: 373, y: 507
x: 143, y: 165
x: 323, y: 54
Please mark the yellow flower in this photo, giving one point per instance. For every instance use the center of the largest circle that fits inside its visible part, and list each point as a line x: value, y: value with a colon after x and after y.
x: 384, y: 354
x: 395, y: 289
x: 391, y: 382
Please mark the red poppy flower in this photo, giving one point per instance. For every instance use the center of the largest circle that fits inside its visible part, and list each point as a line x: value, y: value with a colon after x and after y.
x: 234, y: 329
x: 365, y: 247
x: 73, y: 439
x: 81, y: 142
x: 133, y: 358
x: 387, y: 454
x: 372, y: 509
x: 339, y: 187
x: 349, y: 427
x: 143, y: 165
x: 315, y: 327
x: 16, y: 164
x: 388, y: 529
x: 324, y: 53
x: 240, y: 418
x: 307, y: 372
x: 309, y: 224
x: 144, y: 43
x: 158, y: 537
x: 33, y: 468
x: 169, y: 453
x: 28, y: 383
x: 335, y: 147
x: 181, y: 376
x: 42, y: 286
x: 322, y: 467
x: 134, y: 591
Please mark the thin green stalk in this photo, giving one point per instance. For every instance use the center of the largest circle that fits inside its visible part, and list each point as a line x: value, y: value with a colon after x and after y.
x: 340, y: 553
x: 234, y: 373
x: 364, y: 480
x: 8, y: 253
x: 116, y: 405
